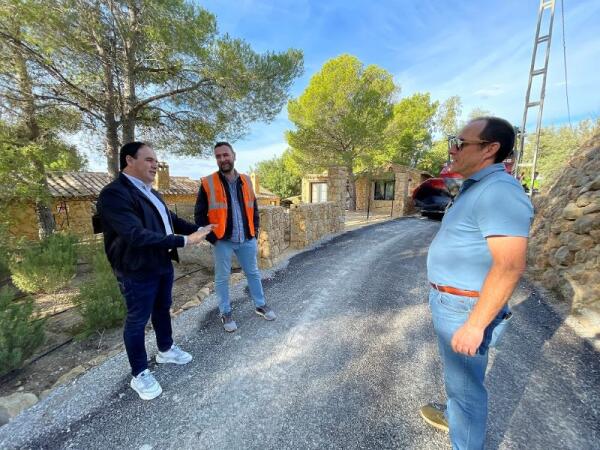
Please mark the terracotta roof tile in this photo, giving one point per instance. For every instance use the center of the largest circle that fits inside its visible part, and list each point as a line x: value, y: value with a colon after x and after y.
x: 89, y: 184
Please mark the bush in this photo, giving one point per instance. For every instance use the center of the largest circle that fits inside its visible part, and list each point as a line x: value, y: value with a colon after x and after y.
x: 100, y: 302
x: 3, y: 261
x: 20, y: 334
x: 46, y: 266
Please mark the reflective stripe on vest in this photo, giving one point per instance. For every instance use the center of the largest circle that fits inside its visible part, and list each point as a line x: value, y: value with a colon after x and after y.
x: 217, y: 202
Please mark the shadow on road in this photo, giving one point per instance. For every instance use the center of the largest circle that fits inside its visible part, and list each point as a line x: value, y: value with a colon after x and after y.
x: 541, y: 392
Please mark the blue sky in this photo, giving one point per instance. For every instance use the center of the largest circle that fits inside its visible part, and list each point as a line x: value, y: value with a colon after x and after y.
x: 478, y: 50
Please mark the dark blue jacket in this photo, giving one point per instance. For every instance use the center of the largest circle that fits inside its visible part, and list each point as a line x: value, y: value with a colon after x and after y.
x: 135, y: 240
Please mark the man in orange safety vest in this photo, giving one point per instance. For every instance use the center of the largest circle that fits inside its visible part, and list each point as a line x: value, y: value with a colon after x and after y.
x: 226, y: 200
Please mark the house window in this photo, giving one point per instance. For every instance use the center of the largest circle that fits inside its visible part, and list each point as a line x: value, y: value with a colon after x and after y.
x: 318, y: 192
x: 384, y: 190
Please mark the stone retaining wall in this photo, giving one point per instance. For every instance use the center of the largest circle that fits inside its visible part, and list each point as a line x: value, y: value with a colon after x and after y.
x: 311, y: 222
x: 296, y: 228
x: 273, y: 238
x: 564, y: 251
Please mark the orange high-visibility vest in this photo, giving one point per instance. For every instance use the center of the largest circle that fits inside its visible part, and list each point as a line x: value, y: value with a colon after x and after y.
x: 217, y: 202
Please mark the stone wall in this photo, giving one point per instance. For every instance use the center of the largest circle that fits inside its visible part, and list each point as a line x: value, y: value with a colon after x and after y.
x: 75, y: 215
x: 182, y: 205
x: 337, y: 180
x: 274, y: 236
x: 564, y: 251
x: 22, y: 220
x: 297, y: 227
x: 311, y: 222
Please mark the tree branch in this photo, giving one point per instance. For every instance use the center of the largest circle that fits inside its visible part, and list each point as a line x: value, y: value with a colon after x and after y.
x: 168, y: 94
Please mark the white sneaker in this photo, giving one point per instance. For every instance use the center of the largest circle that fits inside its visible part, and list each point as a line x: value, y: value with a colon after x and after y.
x: 146, y: 385
x: 174, y: 356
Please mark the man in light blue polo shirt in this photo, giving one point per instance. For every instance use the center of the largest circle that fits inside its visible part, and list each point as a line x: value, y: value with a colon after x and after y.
x: 473, y: 266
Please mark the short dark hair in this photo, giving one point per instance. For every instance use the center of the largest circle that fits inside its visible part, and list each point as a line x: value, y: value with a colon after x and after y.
x: 225, y: 143
x: 498, y: 130
x: 129, y: 149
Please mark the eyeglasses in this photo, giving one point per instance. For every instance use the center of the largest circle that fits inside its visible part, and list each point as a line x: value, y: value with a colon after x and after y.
x: 457, y: 142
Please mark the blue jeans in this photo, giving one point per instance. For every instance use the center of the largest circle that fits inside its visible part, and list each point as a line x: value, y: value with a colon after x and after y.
x: 146, y: 298
x: 464, y: 375
x: 246, y: 254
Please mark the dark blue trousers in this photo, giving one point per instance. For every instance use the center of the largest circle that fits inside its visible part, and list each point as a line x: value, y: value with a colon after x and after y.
x: 146, y: 298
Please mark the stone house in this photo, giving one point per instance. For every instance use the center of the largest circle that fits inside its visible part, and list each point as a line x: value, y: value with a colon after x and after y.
x: 384, y: 191
x: 74, y: 195
x: 331, y: 185
x: 388, y: 190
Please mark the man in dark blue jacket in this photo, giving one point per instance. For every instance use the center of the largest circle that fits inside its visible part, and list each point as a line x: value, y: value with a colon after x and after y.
x: 140, y: 242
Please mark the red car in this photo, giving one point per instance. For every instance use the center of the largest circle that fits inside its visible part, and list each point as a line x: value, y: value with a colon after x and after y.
x: 433, y: 195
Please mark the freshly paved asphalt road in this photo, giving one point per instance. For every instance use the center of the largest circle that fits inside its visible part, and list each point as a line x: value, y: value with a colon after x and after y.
x: 346, y: 365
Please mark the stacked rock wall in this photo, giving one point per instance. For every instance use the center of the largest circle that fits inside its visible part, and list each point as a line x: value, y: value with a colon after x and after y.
x: 274, y: 233
x: 310, y: 222
x: 297, y: 227
x: 564, y: 251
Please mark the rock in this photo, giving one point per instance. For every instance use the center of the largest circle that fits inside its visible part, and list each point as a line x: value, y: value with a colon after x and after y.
x: 592, y: 207
x: 572, y: 212
x: 577, y: 272
x: 584, y: 200
x: 566, y: 238
x: 555, y: 227
x: 580, y: 256
x: 550, y: 279
x: 203, y: 293
x: 586, y: 223
x: 563, y: 256
x: 45, y: 393
x: 595, y: 185
x: 69, y: 376
x: 579, y: 242
x: 190, y: 304
x: 12, y: 405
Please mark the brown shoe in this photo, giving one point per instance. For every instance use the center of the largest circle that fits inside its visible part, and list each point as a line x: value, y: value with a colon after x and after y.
x: 433, y: 414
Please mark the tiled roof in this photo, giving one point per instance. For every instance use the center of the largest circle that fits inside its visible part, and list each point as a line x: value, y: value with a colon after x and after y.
x: 264, y: 192
x: 89, y: 184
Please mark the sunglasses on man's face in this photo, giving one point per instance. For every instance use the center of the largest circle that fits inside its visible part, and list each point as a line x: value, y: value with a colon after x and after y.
x: 457, y: 142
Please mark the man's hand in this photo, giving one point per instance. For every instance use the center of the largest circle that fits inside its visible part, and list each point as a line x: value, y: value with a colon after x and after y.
x: 198, y: 236
x: 467, y: 339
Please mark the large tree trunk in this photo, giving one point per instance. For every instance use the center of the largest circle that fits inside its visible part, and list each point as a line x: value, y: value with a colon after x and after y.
x: 352, y: 186
x: 130, y: 48
x: 111, y: 136
x: 112, y: 145
x: 46, y: 224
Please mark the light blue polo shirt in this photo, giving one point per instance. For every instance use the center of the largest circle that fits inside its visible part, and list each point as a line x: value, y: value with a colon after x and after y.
x: 490, y: 203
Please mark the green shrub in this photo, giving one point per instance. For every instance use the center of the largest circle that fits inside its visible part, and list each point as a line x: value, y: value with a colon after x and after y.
x: 46, y: 266
x: 20, y: 334
x: 100, y: 302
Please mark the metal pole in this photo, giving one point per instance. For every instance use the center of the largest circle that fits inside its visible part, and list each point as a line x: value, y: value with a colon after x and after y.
x: 369, y: 199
